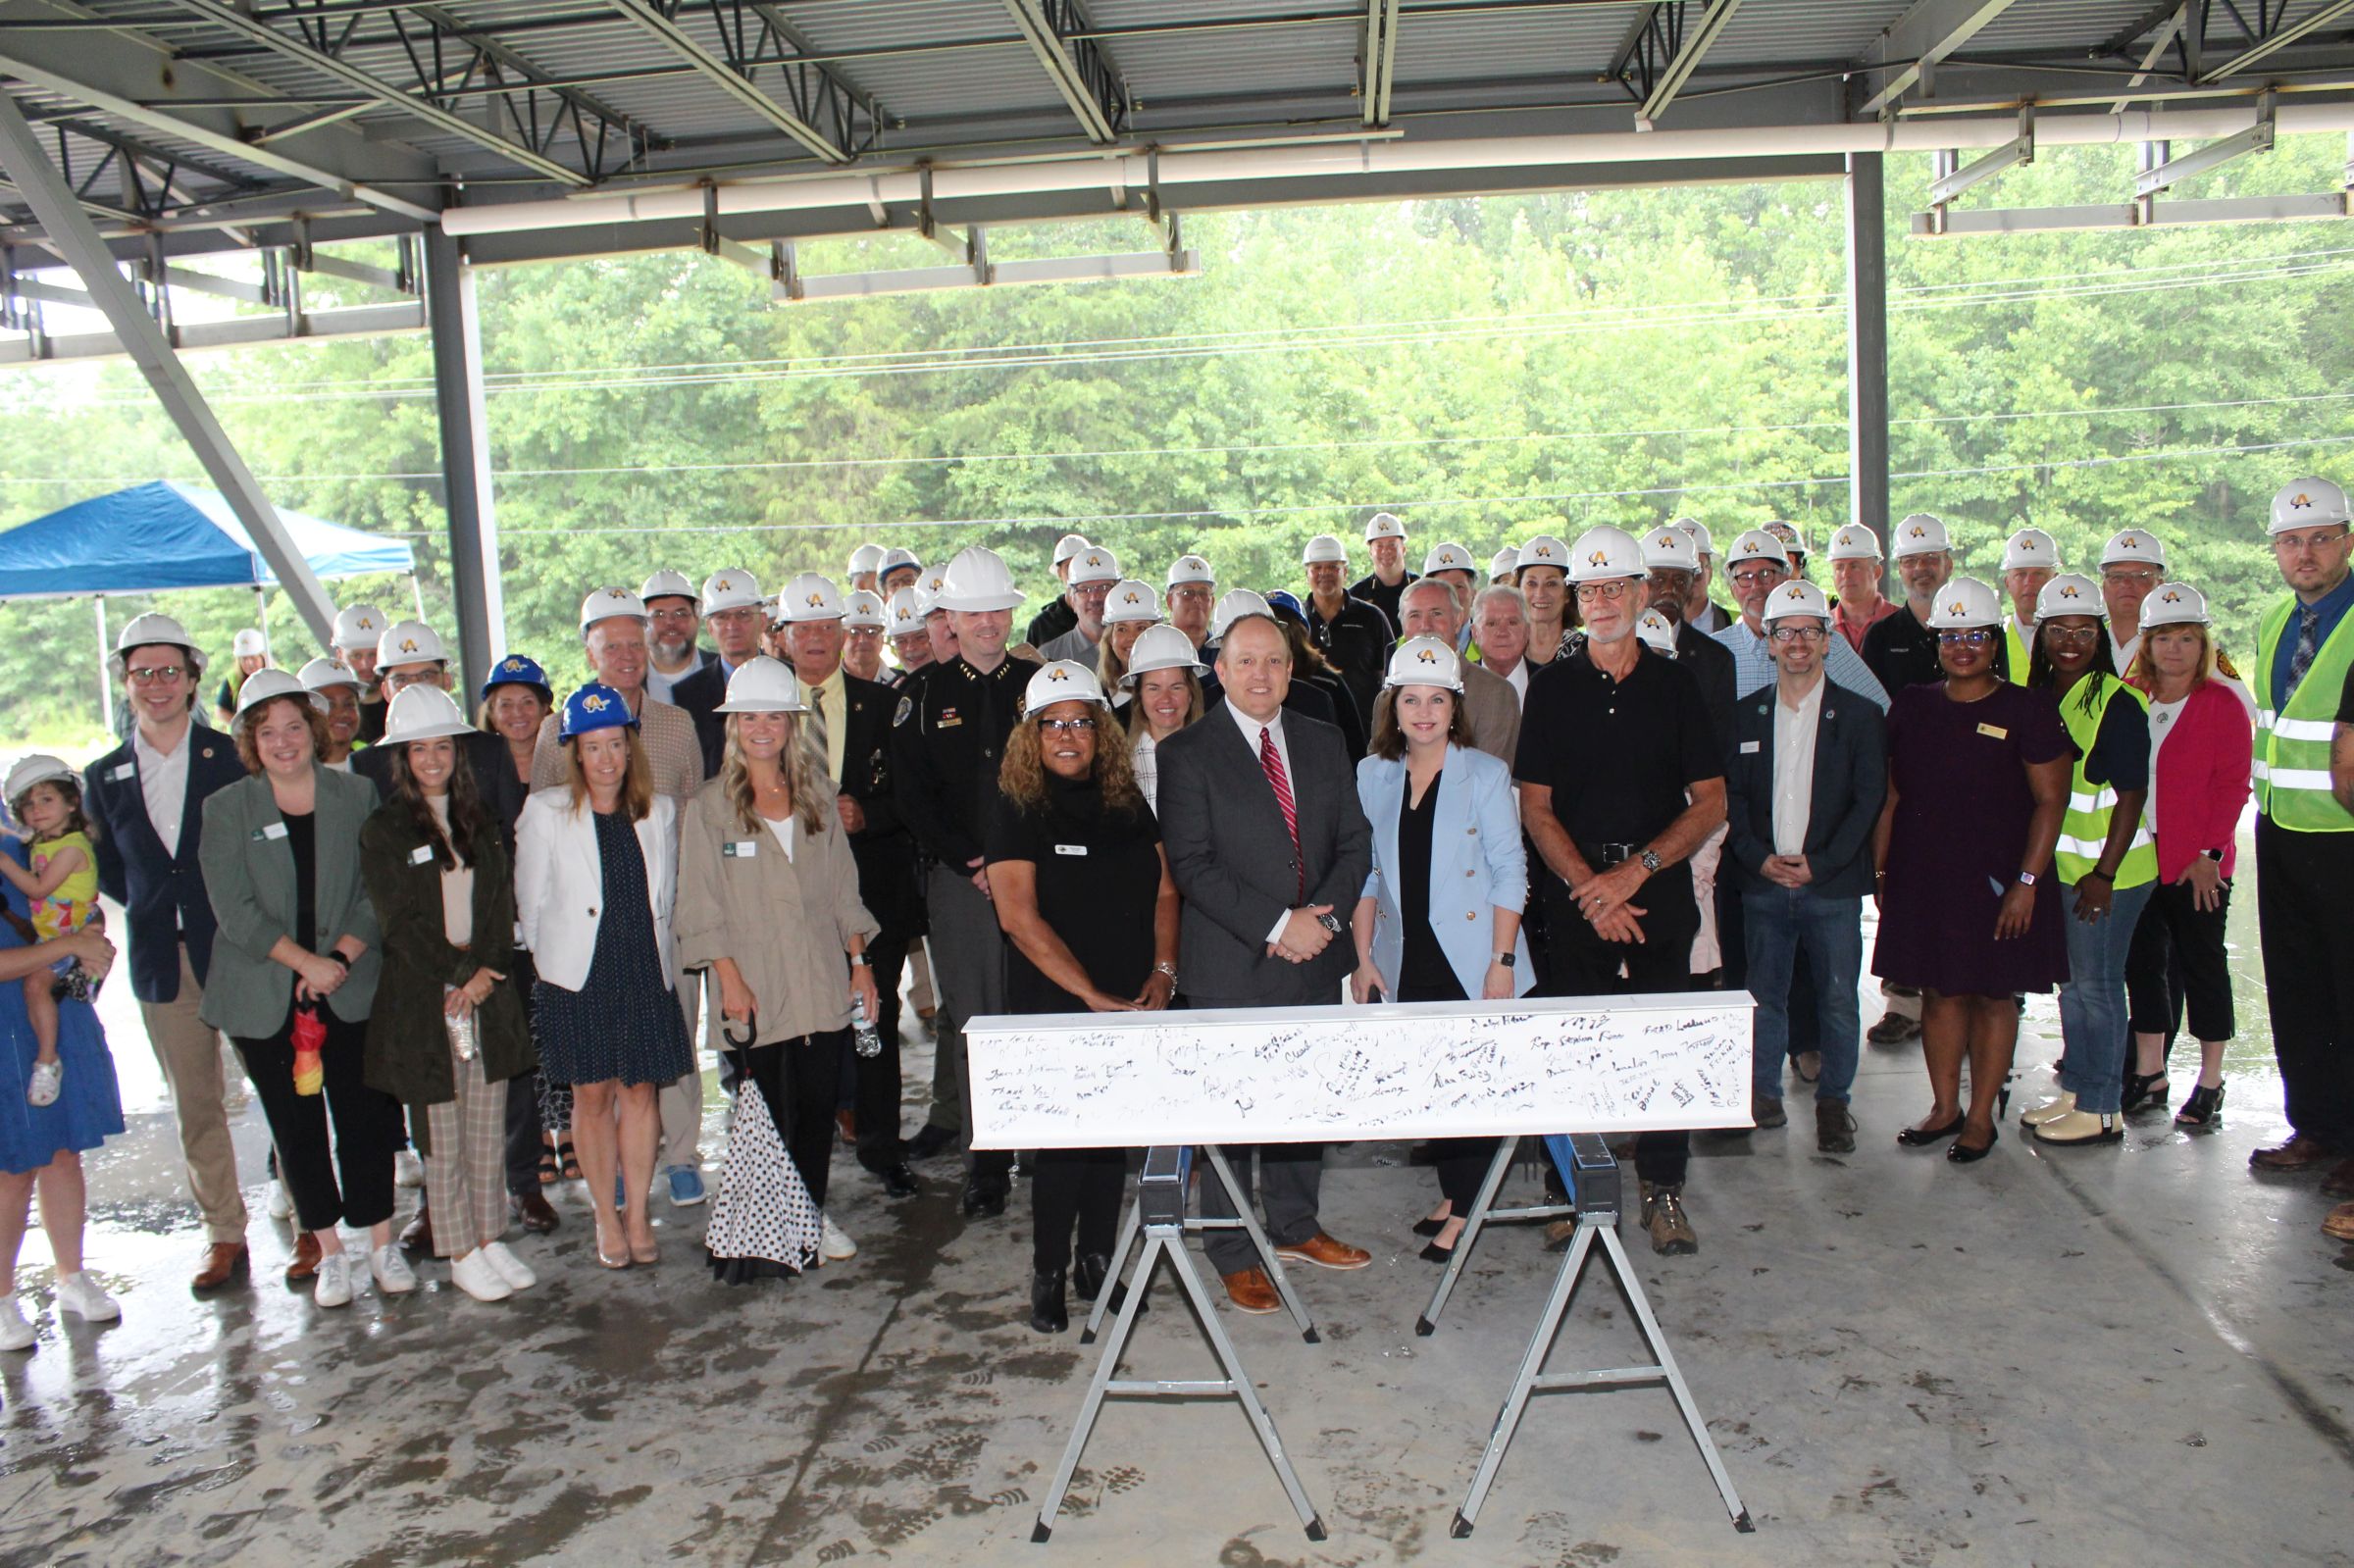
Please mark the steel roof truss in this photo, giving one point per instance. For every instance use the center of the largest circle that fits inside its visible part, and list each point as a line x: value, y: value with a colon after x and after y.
x: 1078, y: 66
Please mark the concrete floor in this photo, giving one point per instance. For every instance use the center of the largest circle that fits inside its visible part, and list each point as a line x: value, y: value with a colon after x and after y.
x: 2075, y: 1357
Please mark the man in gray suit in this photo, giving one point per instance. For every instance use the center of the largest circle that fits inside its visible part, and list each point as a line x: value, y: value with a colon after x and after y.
x: 1269, y: 848
x: 1433, y: 607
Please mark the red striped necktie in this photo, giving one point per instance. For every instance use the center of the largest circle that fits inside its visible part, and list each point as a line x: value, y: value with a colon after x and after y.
x: 1271, y: 762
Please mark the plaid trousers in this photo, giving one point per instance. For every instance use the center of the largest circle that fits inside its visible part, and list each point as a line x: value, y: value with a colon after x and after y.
x: 466, y: 1162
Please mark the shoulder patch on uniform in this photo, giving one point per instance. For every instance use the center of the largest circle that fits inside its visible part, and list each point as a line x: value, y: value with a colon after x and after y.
x: 899, y: 716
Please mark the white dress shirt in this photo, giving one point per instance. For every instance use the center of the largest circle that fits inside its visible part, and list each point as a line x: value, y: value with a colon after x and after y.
x: 1517, y: 678
x: 2121, y: 655
x: 1794, y: 767
x: 1252, y: 730
x: 1146, y: 765
x: 164, y: 781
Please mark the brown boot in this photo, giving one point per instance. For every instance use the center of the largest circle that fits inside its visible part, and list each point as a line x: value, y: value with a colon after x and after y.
x: 2297, y: 1154
x: 1670, y: 1231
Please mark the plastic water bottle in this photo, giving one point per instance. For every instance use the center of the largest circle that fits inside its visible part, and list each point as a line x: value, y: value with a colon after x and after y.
x: 864, y: 1037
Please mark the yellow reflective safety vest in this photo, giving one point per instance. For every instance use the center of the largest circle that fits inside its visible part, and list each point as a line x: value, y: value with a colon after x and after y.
x: 2292, y: 745
x: 2018, y: 649
x: 2085, y: 831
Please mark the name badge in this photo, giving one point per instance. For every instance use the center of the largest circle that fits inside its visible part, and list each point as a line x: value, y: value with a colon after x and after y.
x: 1070, y: 849
x: 276, y: 830
x: 739, y: 848
x: 1994, y: 731
x: 124, y: 770
x: 947, y: 721
x: 1750, y: 747
x: 422, y: 855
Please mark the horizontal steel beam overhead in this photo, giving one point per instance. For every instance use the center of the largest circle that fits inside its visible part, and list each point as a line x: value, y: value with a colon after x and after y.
x: 2281, y: 37
x: 2131, y: 215
x: 1919, y: 39
x: 133, y: 78
x: 240, y: 331
x: 655, y: 19
x: 1130, y: 265
x: 1078, y: 67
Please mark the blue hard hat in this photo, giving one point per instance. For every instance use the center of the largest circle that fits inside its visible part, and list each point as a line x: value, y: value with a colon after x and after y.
x: 517, y: 671
x: 596, y: 706
x: 1284, y: 603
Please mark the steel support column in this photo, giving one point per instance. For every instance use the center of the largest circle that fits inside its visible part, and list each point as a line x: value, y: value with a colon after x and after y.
x: 474, y: 575
x: 76, y: 238
x: 1866, y: 343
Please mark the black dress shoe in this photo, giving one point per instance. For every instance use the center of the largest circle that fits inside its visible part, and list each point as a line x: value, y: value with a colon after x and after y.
x: 1923, y: 1137
x: 533, y: 1212
x: 1429, y: 1227
x: 984, y: 1199
x: 1962, y: 1154
x: 930, y: 1141
x: 1048, y: 1313
x: 899, y: 1181
x: 1432, y: 1252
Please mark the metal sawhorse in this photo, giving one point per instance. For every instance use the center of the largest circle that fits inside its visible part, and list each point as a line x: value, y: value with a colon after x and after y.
x: 1245, y: 1221
x: 1481, y: 1213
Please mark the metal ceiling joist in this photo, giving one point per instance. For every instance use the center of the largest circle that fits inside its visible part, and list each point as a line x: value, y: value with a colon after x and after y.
x: 2280, y: 37
x: 1686, y: 58
x: 1078, y: 66
x: 734, y: 78
x: 1917, y: 40
x: 1378, y: 59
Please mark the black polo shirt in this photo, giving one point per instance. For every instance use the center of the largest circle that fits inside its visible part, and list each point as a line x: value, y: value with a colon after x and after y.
x: 1617, y: 755
x: 1357, y: 641
x: 1900, y: 651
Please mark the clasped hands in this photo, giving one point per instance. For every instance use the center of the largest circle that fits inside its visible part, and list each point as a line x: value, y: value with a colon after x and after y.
x: 1602, y: 899
x: 1303, y: 935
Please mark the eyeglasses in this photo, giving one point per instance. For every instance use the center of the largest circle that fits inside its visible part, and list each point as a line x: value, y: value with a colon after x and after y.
x: 1751, y: 576
x: 1612, y: 592
x: 1195, y: 591
x: 1974, y: 637
x: 2071, y: 634
x: 397, y: 681
x: 2291, y: 544
x: 1066, y: 726
x: 1797, y: 633
x: 2131, y: 579
x: 154, y: 674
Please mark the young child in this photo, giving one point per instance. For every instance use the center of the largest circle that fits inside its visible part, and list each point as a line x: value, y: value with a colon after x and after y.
x: 62, y: 891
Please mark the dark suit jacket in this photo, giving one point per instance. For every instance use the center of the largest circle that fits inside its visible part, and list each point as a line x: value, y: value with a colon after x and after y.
x: 1714, y: 667
x: 1308, y: 700
x: 163, y: 894
x: 1232, y: 859
x: 699, y: 692
x: 1851, y: 781
x: 494, y: 777
x: 885, y: 849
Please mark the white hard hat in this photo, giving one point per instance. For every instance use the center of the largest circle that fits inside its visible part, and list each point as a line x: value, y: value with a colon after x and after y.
x: 2028, y: 549
x: 1965, y: 602
x: 1190, y: 569
x: 358, y: 625
x: 862, y: 610
x: 906, y: 612
x: 151, y: 629
x: 1796, y: 596
x: 409, y: 642
x: 1921, y: 534
x: 2176, y: 604
x: 1756, y: 544
x: 1068, y: 545
x: 1503, y: 563
x: 1855, y: 542
x: 610, y: 604
x: 809, y: 597
x: 1449, y: 558
x: 1794, y: 542
x: 895, y: 557
x: 2133, y: 546
x: 323, y: 672
x: 267, y: 685
x: 663, y: 584
x: 421, y: 713
x: 1669, y: 548
x: 866, y: 558
x: 975, y: 582
x: 1603, y: 553
x: 1130, y: 600
x: 2071, y: 594
x: 1094, y: 564
x: 1425, y: 661
x: 1656, y: 632
x: 1698, y: 533
x: 1384, y: 526
x: 2308, y: 503
x: 731, y: 590
x: 39, y: 768
x: 1161, y: 647
x: 248, y: 643
x: 1545, y: 550
x: 1063, y: 681
x: 762, y: 684
x: 1323, y: 547
x: 1233, y: 605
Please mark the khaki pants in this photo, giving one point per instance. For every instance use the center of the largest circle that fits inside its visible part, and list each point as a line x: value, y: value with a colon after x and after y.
x: 189, y: 1050
x: 681, y: 1101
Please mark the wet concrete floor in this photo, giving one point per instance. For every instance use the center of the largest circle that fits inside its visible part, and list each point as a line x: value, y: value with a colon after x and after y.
x: 2065, y: 1357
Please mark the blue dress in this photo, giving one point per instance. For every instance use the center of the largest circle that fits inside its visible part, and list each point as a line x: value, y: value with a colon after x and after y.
x: 89, y: 1109
x: 624, y: 1023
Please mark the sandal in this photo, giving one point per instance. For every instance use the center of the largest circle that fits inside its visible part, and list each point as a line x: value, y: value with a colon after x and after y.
x: 547, y: 1164
x: 571, y: 1161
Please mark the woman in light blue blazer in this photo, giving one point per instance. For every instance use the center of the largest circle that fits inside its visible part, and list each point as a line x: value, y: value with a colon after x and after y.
x: 1440, y: 919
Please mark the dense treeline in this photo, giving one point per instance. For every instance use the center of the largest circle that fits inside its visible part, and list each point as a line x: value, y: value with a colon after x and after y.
x: 1492, y: 368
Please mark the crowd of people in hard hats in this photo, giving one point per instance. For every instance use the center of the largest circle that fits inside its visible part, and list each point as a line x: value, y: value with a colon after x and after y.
x: 480, y: 941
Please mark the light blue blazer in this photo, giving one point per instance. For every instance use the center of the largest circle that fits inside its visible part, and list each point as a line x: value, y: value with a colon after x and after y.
x: 1476, y: 865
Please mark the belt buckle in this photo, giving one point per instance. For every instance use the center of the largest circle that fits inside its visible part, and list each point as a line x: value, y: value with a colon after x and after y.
x: 1616, y: 855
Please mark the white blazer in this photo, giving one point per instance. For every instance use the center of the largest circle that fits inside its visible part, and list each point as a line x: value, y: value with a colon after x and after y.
x: 560, y: 882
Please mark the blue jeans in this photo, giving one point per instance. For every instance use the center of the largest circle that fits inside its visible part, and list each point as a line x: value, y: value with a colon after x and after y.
x: 2092, y: 1003
x: 1775, y: 924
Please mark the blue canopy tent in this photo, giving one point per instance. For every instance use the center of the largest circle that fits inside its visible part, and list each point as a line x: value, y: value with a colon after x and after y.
x: 155, y: 538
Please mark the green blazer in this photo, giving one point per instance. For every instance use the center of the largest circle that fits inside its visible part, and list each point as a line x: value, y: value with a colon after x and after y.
x: 408, y: 1046
x: 249, y: 876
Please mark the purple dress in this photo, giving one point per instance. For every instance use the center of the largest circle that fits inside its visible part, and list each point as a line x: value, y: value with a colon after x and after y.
x: 1961, y: 832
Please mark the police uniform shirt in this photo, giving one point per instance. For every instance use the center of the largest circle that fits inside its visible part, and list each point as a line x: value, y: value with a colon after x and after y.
x: 1617, y: 755
x: 948, y: 739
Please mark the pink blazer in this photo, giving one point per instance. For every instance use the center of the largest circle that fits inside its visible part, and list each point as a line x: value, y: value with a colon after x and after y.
x: 2203, y: 780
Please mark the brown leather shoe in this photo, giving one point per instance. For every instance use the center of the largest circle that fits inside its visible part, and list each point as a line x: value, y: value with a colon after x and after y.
x: 416, y: 1237
x: 2297, y: 1154
x: 1251, y: 1290
x: 304, y: 1264
x: 224, y: 1263
x: 848, y: 1121
x: 533, y: 1212
x: 1325, y: 1253
x: 2339, y: 1224
x: 2339, y: 1183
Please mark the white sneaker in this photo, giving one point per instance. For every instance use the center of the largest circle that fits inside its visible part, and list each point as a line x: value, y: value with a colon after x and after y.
x: 476, y: 1275
x: 2050, y: 1110
x: 393, y: 1276
x: 281, y: 1201
x: 832, y: 1245
x: 46, y: 1077
x: 80, y: 1296
x: 15, y: 1333
x: 333, y: 1288
x: 408, y: 1169
x: 511, y: 1268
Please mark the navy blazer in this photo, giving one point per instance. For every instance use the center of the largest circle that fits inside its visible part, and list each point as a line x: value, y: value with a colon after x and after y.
x: 1851, y: 781
x: 162, y: 894
x: 700, y: 692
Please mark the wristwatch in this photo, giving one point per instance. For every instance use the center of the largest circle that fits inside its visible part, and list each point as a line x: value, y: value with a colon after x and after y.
x: 1330, y: 922
x: 2026, y: 878
x: 2215, y: 855
x: 1508, y: 960
x: 1651, y: 862
x: 860, y: 960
